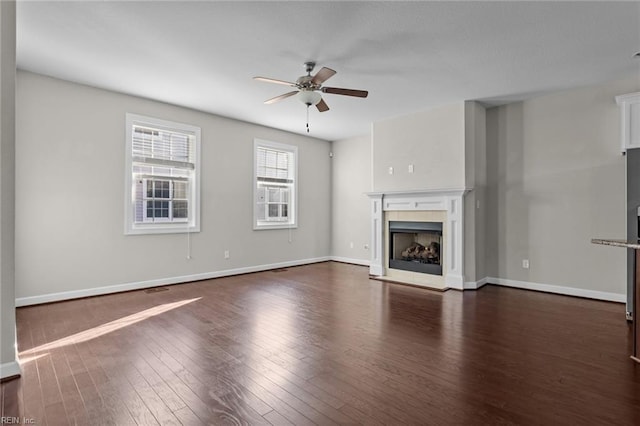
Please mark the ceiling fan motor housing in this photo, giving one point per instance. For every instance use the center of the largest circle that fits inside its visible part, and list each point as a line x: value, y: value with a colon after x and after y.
x: 306, y: 83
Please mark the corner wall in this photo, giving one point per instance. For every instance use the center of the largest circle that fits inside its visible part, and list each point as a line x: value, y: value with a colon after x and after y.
x: 556, y: 179
x: 70, y: 201
x: 351, y: 180
x: 475, y: 200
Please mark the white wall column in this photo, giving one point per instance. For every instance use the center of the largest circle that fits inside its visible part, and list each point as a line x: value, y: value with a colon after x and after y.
x: 377, y: 235
x: 9, y: 366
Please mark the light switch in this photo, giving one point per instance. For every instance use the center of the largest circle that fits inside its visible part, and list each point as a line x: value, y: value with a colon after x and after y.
x: 410, y: 168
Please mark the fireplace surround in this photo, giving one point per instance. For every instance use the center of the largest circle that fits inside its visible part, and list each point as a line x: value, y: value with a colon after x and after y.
x: 440, y: 205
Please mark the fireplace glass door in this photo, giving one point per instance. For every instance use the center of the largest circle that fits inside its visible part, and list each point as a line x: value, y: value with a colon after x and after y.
x: 416, y: 246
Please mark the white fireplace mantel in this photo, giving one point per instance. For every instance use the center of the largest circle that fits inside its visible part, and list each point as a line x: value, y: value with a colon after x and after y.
x: 447, y: 200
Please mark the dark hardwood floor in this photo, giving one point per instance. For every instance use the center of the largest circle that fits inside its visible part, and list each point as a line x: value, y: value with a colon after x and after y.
x: 323, y: 344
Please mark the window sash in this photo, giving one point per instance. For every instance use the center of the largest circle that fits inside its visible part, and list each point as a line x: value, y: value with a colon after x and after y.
x: 156, y: 197
x: 275, y: 201
x: 274, y: 185
x: 274, y: 165
x: 156, y: 144
x: 160, y: 150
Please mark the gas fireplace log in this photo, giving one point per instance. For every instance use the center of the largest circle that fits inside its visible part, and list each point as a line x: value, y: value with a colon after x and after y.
x: 432, y: 253
x: 414, y: 251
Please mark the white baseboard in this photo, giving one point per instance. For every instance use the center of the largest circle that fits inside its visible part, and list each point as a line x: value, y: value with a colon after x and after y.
x: 551, y: 288
x: 97, y: 291
x: 469, y: 285
x: 351, y: 261
x: 9, y: 369
x: 474, y: 285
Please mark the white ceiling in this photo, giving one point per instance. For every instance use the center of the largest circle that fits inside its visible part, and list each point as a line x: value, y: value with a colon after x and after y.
x: 411, y: 56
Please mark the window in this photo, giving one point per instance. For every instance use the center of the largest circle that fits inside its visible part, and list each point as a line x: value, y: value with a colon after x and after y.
x: 275, y: 185
x: 162, y: 176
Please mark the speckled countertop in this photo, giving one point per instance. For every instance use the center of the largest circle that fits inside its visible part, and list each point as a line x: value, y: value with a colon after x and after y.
x: 618, y: 243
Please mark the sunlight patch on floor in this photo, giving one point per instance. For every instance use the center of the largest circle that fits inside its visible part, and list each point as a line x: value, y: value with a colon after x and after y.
x: 109, y: 327
x: 27, y: 359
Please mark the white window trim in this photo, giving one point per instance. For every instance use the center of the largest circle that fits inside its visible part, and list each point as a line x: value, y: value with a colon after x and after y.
x: 293, y: 223
x: 193, y: 223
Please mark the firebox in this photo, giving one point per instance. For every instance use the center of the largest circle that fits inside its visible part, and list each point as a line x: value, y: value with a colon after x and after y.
x: 416, y: 246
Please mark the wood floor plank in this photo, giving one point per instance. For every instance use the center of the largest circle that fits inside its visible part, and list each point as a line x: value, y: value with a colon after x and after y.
x: 324, y: 344
x: 187, y: 417
x: 276, y: 419
x: 168, y: 396
x: 11, y: 399
x: 194, y: 394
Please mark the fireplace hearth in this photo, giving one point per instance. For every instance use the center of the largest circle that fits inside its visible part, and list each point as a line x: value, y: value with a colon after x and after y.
x: 415, y: 246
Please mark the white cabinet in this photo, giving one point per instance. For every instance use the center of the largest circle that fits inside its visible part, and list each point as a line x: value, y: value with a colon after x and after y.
x: 630, y: 110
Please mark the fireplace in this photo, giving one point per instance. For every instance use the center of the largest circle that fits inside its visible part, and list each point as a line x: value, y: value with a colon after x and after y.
x: 442, y: 210
x: 415, y: 246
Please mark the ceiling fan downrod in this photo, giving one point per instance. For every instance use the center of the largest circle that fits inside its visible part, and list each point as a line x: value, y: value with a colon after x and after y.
x: 309, y: 66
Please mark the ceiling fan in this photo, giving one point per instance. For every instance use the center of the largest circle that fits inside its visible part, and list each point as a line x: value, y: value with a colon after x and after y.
x: 308, y: 88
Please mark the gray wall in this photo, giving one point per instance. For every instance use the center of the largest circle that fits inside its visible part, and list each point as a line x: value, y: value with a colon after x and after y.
x: 8, y: 365
x: 556, y: 179
x: 549, y: 177
x: 351, y: 212
x: 70, y: 180
x: 433, y: 141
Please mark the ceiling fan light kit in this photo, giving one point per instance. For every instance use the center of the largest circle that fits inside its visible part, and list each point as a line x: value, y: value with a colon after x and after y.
x: 308, y: 88
x: 309, y: 97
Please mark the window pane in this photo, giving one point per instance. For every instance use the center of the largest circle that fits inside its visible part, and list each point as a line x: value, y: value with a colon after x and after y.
x: 161, y: 209
x: 179, y: 189
x: 273, y: 164
x: 162, y: 144
x: 271, y: 159
x: 157, y: 209
x: 180, y: 210
x: 274, y: 195
x: 273, y: 210
x: 161, y: 189
x: 282, y: 160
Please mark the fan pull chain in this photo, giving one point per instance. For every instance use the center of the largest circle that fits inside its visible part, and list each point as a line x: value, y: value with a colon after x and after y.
x: 307, y: 118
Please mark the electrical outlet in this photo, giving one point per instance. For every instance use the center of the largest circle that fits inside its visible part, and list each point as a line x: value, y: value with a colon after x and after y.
x: 226, y: 254
x: 390, y: 170
x: 525, y: 263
